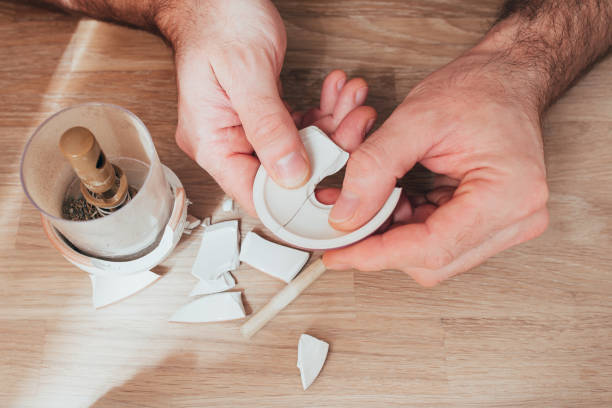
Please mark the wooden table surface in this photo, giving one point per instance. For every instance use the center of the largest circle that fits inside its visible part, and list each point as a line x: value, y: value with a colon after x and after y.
x: 531, y: 327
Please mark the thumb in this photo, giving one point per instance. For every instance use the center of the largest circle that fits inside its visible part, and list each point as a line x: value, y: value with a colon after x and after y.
x: 270, y: 129
x: 372, y: 172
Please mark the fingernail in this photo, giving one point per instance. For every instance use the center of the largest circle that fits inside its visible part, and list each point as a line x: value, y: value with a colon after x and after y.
x: 340, y: 84
x: 291, y: 170
x: 345, y: 207
x: 369, y: 126
x: 360, y: 95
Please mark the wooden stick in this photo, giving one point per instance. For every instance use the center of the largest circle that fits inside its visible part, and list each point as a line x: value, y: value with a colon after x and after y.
x: 283, y: 298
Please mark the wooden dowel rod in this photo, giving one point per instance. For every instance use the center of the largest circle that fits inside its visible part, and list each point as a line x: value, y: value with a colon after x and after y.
x: 283, y: 298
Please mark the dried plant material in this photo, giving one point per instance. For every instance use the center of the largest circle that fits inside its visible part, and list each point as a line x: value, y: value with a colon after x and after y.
x: 107, y: 290
x: 276, y: 260
x: 312, y: 353
x: 205, y: 222
x: 228, y: 205
x: 212, y: 308
x: 221, y: 284
x: 296, y: 216
x: 78, y: 209
x: 218, y: 251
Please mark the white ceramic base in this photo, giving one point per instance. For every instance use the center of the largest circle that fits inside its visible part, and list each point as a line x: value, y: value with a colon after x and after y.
x: 296, y: 216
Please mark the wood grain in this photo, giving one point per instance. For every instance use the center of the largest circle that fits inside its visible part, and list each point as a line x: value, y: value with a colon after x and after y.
x: 529, y: 328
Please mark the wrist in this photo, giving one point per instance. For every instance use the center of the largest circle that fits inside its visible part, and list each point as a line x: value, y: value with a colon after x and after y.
x: 178, y: 20
x: 483, y: 76
x: 516, y: 64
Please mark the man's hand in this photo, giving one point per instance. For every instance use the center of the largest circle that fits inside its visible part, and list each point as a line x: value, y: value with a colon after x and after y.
x: 229, y: 54
x: 476, y: 121
x: 462, y: 125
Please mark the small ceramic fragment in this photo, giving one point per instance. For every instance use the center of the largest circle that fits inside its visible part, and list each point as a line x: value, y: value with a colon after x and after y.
x: 228, y: 205
x: 296, y: 216
x: 205, y: 222
x: 212, y: 308
x: 218, y: 251
x: 221, y: 284
x: 276, y: 260
x: 192, y: 222
x: 107, y: 290
x: 312, y: 353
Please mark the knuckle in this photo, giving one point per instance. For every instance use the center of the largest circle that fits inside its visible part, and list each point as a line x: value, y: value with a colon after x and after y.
x: 438, y: 260
x: 536, y: 197
x: 538, y: 226
x: 182, y: 141
x: 424, y: 278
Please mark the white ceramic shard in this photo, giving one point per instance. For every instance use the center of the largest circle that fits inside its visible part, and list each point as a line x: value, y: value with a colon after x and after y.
x: 107, y: 290
x: 312, y: 353
x: 296, y: 216
x: 192, y: 222
x: 218, y: 251
x: 276, y: 260
x: 212, y: 308
x: 221, y: 284
x: 228, y: 205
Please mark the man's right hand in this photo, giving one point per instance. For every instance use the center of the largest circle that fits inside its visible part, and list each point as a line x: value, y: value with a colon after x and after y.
x: 229, y: 55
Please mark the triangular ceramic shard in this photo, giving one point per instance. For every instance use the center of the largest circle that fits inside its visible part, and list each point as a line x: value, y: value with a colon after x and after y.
x: 312, y: 353
x: 228, y: 205
x: 192, y: 222
x: 296, y: 216
x: 205, y: 222
x: 276, y: 260
x: 221, y: 284
x: 218, y: 251
x: 107, y: 290
x: 211, y: 308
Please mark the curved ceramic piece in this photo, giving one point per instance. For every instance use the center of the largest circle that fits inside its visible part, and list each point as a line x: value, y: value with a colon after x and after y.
x: 296, y: 216
x: 107, y: 290
x: 269, y: 257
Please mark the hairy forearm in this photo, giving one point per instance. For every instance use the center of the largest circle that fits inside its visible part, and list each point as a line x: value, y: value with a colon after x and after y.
x: 544, y: 45
x: 146, y: 14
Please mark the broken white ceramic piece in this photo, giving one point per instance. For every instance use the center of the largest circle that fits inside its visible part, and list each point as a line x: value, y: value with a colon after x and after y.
x: 212, y: 308
x: 228, y: 205
x: 218, y: 251
x: 276, y: 260
x: 296, y: 216
x: 312, y: 353
x: 221, y: 284
x: 192, y: 222
x: 107, y: 290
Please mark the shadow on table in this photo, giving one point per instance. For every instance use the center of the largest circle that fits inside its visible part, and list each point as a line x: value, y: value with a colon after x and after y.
x: 154, y: 386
